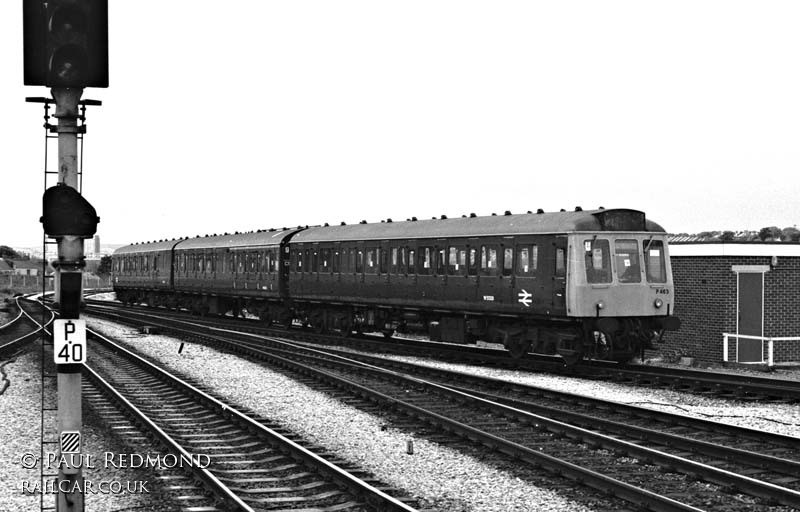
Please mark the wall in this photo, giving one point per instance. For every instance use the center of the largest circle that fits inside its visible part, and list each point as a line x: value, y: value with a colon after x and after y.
x: 705, y: 301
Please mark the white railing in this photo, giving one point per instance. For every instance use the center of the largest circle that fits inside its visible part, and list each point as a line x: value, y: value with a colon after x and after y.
x: 770, y: 345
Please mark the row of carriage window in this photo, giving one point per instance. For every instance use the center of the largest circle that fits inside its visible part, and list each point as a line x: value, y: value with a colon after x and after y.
x: 485, y: 260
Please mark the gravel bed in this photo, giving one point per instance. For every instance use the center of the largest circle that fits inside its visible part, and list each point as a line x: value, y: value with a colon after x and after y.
x: 20, y: 434
x: 770, y: 417
x: 442, y: 478
x: 19, y: 430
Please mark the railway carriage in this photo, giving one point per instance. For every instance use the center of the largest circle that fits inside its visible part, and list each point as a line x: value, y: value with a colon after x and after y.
x: 583, y: 283
x: 212, y: 274
x: 222, y: 273
x: 577, y: 284
x: 143, y: 272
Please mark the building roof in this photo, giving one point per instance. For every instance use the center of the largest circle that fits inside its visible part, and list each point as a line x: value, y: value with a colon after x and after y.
x: 734, y: 249
x: 4, y: 266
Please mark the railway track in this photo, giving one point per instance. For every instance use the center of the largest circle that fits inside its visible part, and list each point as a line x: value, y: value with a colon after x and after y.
x: 24, y: 327
x: 606, y: 453
x: 728, y: 386
x: 247, y: 464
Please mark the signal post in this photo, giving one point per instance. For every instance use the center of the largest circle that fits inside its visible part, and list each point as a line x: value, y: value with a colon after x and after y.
x: 66, y: 49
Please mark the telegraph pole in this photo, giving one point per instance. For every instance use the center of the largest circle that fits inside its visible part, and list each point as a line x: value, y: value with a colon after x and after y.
x: 66, y: 49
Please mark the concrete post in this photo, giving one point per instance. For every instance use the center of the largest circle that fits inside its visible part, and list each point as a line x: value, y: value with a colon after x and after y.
x: 70, y: 258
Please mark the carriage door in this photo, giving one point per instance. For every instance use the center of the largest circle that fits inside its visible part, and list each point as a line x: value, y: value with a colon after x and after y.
x: 559, y: 270
x: 750, y: 314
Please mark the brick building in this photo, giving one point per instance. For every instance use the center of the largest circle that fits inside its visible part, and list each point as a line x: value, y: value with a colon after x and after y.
x: 736, y: 288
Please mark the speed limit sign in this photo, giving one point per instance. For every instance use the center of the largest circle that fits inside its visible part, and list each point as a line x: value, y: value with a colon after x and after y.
x: 69, y: 341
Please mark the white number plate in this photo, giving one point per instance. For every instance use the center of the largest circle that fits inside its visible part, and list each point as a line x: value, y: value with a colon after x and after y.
x: 69, y: 341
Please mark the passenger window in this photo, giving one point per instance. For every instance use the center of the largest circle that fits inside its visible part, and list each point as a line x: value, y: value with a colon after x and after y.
x: 441, y: 261
x: 627, y: 261
x: 359, y: 261
x: 598, y: 261
x: 561, y: 269
x: 383, y: 256
x: 335, y: 262
x: 299, y: 261
x: 488, y: 261
x: 472, y: 268
x: 351, y: 261
x: 412, y: 261
x: 395, y: 261
x: 424, y: 267
x: 372, y: 261
x: 654, y: 261
x: 457, y: 261
x: 524, y: 262
x: 508, y: 261
x: 325, y: 261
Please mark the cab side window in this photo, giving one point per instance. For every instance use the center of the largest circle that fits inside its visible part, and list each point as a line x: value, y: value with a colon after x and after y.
x: 598, y: 261
x: 654, y: 261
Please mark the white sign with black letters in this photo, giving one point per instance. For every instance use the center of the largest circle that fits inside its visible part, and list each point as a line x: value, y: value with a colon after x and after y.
x: 69, y: 341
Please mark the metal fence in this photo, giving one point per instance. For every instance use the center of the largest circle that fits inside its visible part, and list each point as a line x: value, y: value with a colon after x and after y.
x: 25, y: 283
x: 770, y: 355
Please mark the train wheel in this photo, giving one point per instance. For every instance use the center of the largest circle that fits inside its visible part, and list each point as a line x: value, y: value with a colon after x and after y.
x: 387, y: 333
x: 518, y: 347
x: 571, y: 357
x: 345, y: 326
x: 571, y: 349
x: 285, y: 319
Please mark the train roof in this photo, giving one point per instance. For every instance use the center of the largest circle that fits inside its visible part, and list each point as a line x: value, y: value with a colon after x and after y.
x: 237, y: 240
x: 495, y: 225
x: 163, y: 245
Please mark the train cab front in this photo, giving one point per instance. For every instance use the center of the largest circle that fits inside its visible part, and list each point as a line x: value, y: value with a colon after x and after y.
x: 621, y: 289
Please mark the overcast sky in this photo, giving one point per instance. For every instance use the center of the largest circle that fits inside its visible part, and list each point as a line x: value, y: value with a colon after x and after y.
x: 240, y: 115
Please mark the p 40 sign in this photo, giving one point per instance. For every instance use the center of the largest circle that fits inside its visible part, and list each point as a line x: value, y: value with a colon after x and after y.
x: 69, y: 341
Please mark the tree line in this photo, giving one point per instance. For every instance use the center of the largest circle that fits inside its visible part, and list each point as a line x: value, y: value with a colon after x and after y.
x: 765, y: 234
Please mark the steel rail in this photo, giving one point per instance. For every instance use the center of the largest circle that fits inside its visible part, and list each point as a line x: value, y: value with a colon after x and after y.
x: 593, y: 479
x: 11, y: 322
x: 720, y: 384
x: 633, y: 410
x: 39, y: 327
x: 752, y: 486
x: 203, y: 474
x: 370, y: 494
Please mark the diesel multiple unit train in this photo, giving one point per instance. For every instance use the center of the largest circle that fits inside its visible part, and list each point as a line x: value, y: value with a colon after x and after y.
x: 574, y: 283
